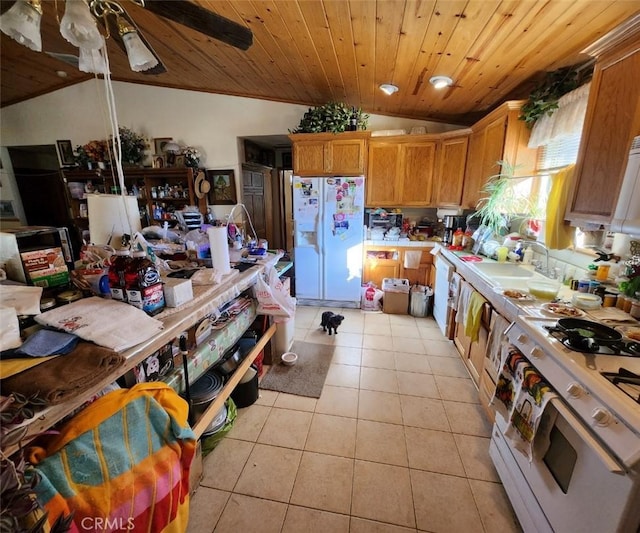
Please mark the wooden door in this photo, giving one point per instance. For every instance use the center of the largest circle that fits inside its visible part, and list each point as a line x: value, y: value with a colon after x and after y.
x: 417, y: 169
x: 345, y: 157
x: 256, y: 198
x: 384, y: 169
x: 309, y: 158
x: 612, y: 120
x: 450, y: 179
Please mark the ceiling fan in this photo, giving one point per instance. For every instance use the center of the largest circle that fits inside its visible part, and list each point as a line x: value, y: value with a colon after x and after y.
x: 21, y: 21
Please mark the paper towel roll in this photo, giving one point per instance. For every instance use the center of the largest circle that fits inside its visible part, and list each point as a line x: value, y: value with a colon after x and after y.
x: 219, y: 249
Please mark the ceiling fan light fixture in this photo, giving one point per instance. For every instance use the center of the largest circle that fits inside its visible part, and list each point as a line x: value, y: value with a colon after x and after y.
x: 440, y: 82
x: 92, y: 61
x: 140, y: 57
x: 388, y: 88
x: 79, y: 27
x: 22, y: 23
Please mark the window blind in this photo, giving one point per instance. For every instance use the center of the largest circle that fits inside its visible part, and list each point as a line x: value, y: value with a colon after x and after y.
x: 558, y: 154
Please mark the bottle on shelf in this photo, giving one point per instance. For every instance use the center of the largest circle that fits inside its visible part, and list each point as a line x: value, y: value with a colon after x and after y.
x: 119, y: 264
x: 353, y: 120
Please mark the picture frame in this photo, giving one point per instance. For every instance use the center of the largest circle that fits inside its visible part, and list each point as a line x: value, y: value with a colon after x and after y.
x: 223, y: 187
x: 65, y: 153
x: 178, y: 162
x: 6, y: 210
x: 159, y: 161
x: 159, y: 142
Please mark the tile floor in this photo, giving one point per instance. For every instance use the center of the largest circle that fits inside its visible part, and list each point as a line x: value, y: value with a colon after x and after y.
x: 396, y: 443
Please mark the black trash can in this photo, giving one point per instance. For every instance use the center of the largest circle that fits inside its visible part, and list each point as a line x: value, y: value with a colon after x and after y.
x: 246, y: 392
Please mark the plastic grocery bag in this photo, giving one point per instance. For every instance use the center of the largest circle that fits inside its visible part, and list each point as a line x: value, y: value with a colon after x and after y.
x: 273, y: 297
x: 371, y: 296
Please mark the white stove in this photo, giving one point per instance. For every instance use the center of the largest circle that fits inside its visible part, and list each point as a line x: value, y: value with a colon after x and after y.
x: 577, y: 377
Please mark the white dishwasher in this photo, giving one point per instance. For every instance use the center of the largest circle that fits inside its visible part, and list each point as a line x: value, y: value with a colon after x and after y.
x: 444, y: 273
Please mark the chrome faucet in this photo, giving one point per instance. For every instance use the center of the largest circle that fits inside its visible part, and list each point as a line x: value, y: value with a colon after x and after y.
x: 536, y: 264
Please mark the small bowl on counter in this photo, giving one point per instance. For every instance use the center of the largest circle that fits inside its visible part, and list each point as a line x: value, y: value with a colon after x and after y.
x: 586, y: 301
x: 546, y: 289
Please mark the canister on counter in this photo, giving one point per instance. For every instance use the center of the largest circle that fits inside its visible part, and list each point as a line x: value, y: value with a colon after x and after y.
x: 635, y: 309
x: 583, y: 285
x: 574, y: 284
x: 610, y: 299
x: 593, y: 286
x: 620, y: 301
x: 628, y: 302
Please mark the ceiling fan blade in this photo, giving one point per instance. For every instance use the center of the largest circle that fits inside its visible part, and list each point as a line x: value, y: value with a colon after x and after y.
x: 113, y: 31
x: 202, y: 20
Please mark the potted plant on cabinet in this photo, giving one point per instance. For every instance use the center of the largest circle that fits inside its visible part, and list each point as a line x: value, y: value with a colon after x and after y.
x: 334, y: 117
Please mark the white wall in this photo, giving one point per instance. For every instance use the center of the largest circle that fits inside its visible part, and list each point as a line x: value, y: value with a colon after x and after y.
x: 210, y: 122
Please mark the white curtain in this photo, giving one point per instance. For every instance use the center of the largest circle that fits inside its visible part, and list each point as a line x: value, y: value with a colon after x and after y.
x: 566, y: 121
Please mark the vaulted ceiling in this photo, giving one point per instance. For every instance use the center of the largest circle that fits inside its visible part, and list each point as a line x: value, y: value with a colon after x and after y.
x: 314, y: 51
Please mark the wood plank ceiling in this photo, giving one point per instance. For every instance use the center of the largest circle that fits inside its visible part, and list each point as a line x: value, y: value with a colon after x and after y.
x: 314, y: 51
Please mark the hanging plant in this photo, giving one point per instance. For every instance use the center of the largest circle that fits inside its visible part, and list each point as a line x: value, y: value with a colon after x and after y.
x: 333, y: 117
x: 544, y: 99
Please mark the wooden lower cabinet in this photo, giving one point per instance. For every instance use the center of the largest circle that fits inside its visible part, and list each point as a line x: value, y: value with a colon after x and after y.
x: 381, y: 262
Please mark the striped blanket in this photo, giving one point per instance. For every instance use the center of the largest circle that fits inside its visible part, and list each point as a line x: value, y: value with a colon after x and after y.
x: 122, y: 464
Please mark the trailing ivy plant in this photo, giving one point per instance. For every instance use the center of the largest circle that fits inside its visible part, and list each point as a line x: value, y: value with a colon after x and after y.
x: 501, y: 201
x: 333, y: 117
x: 544, y: 99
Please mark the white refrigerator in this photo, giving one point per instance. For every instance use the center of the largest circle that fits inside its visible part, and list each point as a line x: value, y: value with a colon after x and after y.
x: 328, y: 218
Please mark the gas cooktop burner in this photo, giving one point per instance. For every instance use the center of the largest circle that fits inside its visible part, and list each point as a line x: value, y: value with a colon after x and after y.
x: 588, y: 345
x: 627, y: 381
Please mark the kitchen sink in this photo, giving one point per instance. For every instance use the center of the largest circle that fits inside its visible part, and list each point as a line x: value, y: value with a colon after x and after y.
x: 503, y: 270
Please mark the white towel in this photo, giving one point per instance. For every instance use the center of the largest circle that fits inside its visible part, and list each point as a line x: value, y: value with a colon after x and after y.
x: 412, y: 258
x: 494, y: 344
x: 109, y: 323
x: 466, y: 291
x: 523, y: 395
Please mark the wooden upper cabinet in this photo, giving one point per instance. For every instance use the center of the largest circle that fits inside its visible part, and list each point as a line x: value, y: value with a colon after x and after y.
x: 450, y: 176
x: 499, y: 136
x: 611, y: 122
x: 401, y: 171
x: 383, y: 170
x: 328, y: 154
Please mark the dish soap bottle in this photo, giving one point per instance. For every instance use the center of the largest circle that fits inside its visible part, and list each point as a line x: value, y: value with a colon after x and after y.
x: 527, y: 256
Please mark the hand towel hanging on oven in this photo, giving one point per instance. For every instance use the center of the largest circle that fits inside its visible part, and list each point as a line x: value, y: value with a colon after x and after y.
x: 523, y: 395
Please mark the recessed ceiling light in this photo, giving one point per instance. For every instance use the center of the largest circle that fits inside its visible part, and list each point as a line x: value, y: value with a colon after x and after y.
x: 440, y: 82
x: 61, y: 73
x: 388, y: 88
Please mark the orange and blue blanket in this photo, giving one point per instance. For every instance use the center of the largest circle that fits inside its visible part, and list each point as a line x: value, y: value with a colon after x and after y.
x: 122, y: 464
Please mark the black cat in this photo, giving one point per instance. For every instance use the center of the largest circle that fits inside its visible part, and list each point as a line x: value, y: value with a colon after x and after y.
x: 332, y: 321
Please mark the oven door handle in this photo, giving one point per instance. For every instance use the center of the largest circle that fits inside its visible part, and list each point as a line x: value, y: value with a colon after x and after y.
x: 609, y: 462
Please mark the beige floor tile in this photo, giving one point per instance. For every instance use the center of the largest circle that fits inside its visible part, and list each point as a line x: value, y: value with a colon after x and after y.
x: 414, y: 384
x: 350, y: 340
x: 318, y: 336
x: 448, y: 366
x: 379, y: 379
x: 249, y: 422
x: 425, y: 413
x: 269, y: 473
x: 431, y: 333
x: 378, y: 359
x: 286, y: 427
x: 333, y: 435
x: 408, y: 332
x: 409, y: 362
x: 495, y: 510
x: 305, y: 320
x: 205, y: 508
x: 381, y: 443
x: 474, y: 452
x: 360, y: 525
x: 324, y: 482
x: 402, y: 320
x: 443, y: 503
x: 467, y: 418
x: 379, y: 407
x: 301, y: 519
x: 344, y: 355
x: 376, y: 318
x: 222, y: 467
x: 441, y: 348
x: 343, y: 376
x: 457, y: 389
x: 297, y: 403
x: 382, y: 493
x: 372, y: 328
x: 352, y: 325
x: 267, y: 397
x: 378, y: 342
x: 251, y: 515
x: 404, y: 345
x: 338, y: 401
x: 434, y: 451
x: 299, y: 334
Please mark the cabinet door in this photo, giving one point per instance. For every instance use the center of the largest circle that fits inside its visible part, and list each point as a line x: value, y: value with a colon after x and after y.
x: 380, y: 264
x: 309, y: 158
x: 453, y: 158
x: 420, y: 275
x: 473, y: 181
x: 346, y: 157
x: 493, y: 148
x: 612, y: 120
x: 384, y: 167
x: 418, y: 161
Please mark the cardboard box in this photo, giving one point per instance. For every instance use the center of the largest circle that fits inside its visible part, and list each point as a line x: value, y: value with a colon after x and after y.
x: 46, y: 268
x: 396, y: 296
x: 177, y: 291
